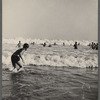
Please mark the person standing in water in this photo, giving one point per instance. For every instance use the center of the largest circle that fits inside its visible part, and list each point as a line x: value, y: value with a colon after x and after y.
x: 75, y: 45
x: 19, y: 44
x: 15, y: 58
x: 63, y: 44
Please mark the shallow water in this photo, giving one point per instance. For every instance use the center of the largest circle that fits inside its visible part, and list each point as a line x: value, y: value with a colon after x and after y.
x: 51, y: 73
x: 50, y: 83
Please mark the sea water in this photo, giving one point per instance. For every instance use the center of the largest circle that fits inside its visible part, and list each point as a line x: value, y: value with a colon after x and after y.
x: 51, y: 73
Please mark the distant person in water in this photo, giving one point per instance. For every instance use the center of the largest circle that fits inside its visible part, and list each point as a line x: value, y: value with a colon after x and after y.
x: 15, y: 58
x: 50, y: 45
x: 78, y: 43
x: 55, y: 43
x: 96, y: 47
x: 63, y: 44
x: 44, y: 44
x: 92, y: 45
x: 19, y: 44
x: 75, y: 45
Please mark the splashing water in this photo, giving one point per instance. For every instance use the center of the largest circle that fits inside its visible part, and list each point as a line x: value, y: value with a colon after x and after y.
x: 57, y: 55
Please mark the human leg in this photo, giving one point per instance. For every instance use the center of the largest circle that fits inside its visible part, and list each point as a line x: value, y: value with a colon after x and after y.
x: 19, y: 64
x: 13, y: 62
x: 14, y: 65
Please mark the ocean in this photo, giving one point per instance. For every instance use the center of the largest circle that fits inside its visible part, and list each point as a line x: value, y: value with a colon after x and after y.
x: 51, y: 73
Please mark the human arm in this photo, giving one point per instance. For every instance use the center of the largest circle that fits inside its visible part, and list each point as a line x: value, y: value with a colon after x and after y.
x: 21, y: 58
x: 20, y: 55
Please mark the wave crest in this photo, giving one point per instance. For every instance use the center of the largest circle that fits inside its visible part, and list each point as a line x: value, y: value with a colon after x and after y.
x: 39, y: 41
x: 55, y: 60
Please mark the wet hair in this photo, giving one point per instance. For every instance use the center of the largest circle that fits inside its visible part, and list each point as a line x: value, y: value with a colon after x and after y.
x: 26, y: 45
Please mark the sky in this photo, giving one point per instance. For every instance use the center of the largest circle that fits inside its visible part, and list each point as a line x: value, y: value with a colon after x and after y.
x: 50, y: 19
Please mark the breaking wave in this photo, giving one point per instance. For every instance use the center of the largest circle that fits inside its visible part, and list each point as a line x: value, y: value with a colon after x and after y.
x: 55, y: 60
x: 39, y: 41
x: 52, y: 56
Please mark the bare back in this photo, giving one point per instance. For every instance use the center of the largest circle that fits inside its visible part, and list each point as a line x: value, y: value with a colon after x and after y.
x: 19, y: 52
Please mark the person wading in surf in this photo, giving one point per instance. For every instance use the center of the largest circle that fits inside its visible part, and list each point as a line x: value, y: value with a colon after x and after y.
x: 15, y: 58
x: 75, y: 45
x: 19, y: 44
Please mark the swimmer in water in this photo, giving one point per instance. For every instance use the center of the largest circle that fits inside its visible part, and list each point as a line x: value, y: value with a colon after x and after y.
x: 19, y: 44
x: 15, y: 58
x: 75, y: 45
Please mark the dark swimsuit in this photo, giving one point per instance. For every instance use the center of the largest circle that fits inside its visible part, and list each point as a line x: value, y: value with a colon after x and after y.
x: 15, y: 57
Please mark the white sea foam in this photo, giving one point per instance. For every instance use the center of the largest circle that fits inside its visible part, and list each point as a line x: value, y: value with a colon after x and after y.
x: 53, y: 56
x: 54, y: 60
